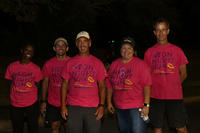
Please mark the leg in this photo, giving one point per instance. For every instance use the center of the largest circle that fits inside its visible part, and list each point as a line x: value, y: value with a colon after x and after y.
x: 157, y: 130
x: 177, y: 115
x: 182, y: 130
x: 157, y: 114
x: 91, y: 124
x: 123, y: 120
x: 32, y: 115
x: 17, y: 118
x: 75, y: 119
x: 65, y: 124
x: 53, y: 116
x: 137, y: 123
x: 55, y: 126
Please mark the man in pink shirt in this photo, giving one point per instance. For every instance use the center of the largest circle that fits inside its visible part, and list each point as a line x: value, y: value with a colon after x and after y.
x: 52, y: 83
x: 24, y: 75
x: 84, y: 88
x: 168, y: 69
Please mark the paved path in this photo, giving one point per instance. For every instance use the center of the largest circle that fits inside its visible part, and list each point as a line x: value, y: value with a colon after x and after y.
x: 109, y: 123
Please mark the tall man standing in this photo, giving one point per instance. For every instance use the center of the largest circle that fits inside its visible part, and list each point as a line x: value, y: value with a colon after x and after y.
x: 52, y: 84
x: 84, y: 88
x: 168, y: 69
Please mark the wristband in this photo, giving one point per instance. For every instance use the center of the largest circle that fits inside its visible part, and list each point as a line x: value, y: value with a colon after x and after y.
x: 43, y: 101
x: 101, y: 105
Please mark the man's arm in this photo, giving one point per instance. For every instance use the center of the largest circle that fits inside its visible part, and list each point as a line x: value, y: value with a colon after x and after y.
x: 45, y: 85
x: 109, y: 101
x: 183, y: 72
x: 64, y: 89
x: 102, y: 97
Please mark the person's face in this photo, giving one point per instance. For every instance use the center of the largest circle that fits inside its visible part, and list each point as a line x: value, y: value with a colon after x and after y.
x: 83, y: 45
x: 27, y: 52
x: 60, y: 48
x: 127, y: 51
x: 161, y: 31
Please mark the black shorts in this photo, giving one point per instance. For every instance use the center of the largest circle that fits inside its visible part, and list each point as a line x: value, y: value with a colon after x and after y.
x: 172, y: 110
x: 53, y: 113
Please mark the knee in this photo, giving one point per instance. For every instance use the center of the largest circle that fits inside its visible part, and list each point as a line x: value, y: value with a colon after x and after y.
x: 55, y: 125
x: 157, y: 130
x: 181, y: 130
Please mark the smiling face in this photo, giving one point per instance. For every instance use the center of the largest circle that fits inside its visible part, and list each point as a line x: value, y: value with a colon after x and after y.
x: 83, y: 46
x: 60, y: 48
x: 27, y: 52
x: 161, y: 32
x: 127, y: 52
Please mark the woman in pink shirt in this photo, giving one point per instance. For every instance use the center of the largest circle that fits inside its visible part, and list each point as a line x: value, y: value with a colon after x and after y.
x: 24, y: 75
x: 129, y: 84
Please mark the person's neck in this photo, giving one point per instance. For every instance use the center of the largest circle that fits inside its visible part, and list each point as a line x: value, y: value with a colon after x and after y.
x: 24, y: 61
x: 62, y: 57
x: 162, y: 43
x: 126, y: 60
x: 84, y: 55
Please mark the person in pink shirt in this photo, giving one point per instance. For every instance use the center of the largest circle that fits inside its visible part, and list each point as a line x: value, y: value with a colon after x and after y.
x: 129, y: 83
x: 51, y: 84
x: 84, y: 88
x: 168, y: 70
x: 24, y: 75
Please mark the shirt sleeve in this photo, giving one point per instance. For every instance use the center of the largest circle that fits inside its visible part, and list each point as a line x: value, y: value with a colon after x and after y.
x: 145, y: 75
x: 146, y: 58
x: 45, y: 71
x: 8, y: 74
x: 38, y: 75
x: 108, y: 78
x: 182, y: 59
x: 66, y: 71
x: 101, y: 72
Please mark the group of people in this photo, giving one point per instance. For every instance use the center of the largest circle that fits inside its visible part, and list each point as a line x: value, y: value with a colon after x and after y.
x: 76, y: 90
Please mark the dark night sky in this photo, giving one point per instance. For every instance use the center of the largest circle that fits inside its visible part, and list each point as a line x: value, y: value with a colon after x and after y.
x: 105, y: 20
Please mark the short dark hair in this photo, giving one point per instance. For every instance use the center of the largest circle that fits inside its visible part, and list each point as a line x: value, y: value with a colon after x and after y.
x: 161, y: 20
x: 24, y: 45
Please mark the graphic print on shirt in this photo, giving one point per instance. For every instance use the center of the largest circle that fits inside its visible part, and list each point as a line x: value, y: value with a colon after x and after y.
x: 23, y: 82
x: 121, y: 79
x: 56, y: 76
x: 163, y: 63
x: 83, y: 75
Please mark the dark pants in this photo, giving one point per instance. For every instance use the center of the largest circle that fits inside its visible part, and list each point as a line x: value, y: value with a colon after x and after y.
x: 80, y: 118
x: 18, y: 117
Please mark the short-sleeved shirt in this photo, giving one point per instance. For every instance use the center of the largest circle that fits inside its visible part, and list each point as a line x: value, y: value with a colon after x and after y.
x: 23, y: 91
x: 165, y: 62
x: 83, y: 75
x: 52, y: 69
x: 128, y: 81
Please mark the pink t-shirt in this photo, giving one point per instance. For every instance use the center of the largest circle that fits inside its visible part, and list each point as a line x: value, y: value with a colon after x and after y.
x: 52, y: 69
x: 83, y: 75
x: 128, y: 81
x: 164, y: 62
x: 23, y: 91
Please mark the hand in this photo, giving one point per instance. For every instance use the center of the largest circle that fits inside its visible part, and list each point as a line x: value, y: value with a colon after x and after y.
x: 145, y: 111
x: 99, y: 112
x: 64, y: 112
x: 43, y: 107
x: 111, y: 108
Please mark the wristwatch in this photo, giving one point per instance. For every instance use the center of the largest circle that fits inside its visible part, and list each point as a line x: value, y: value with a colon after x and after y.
x: 146, y: 105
